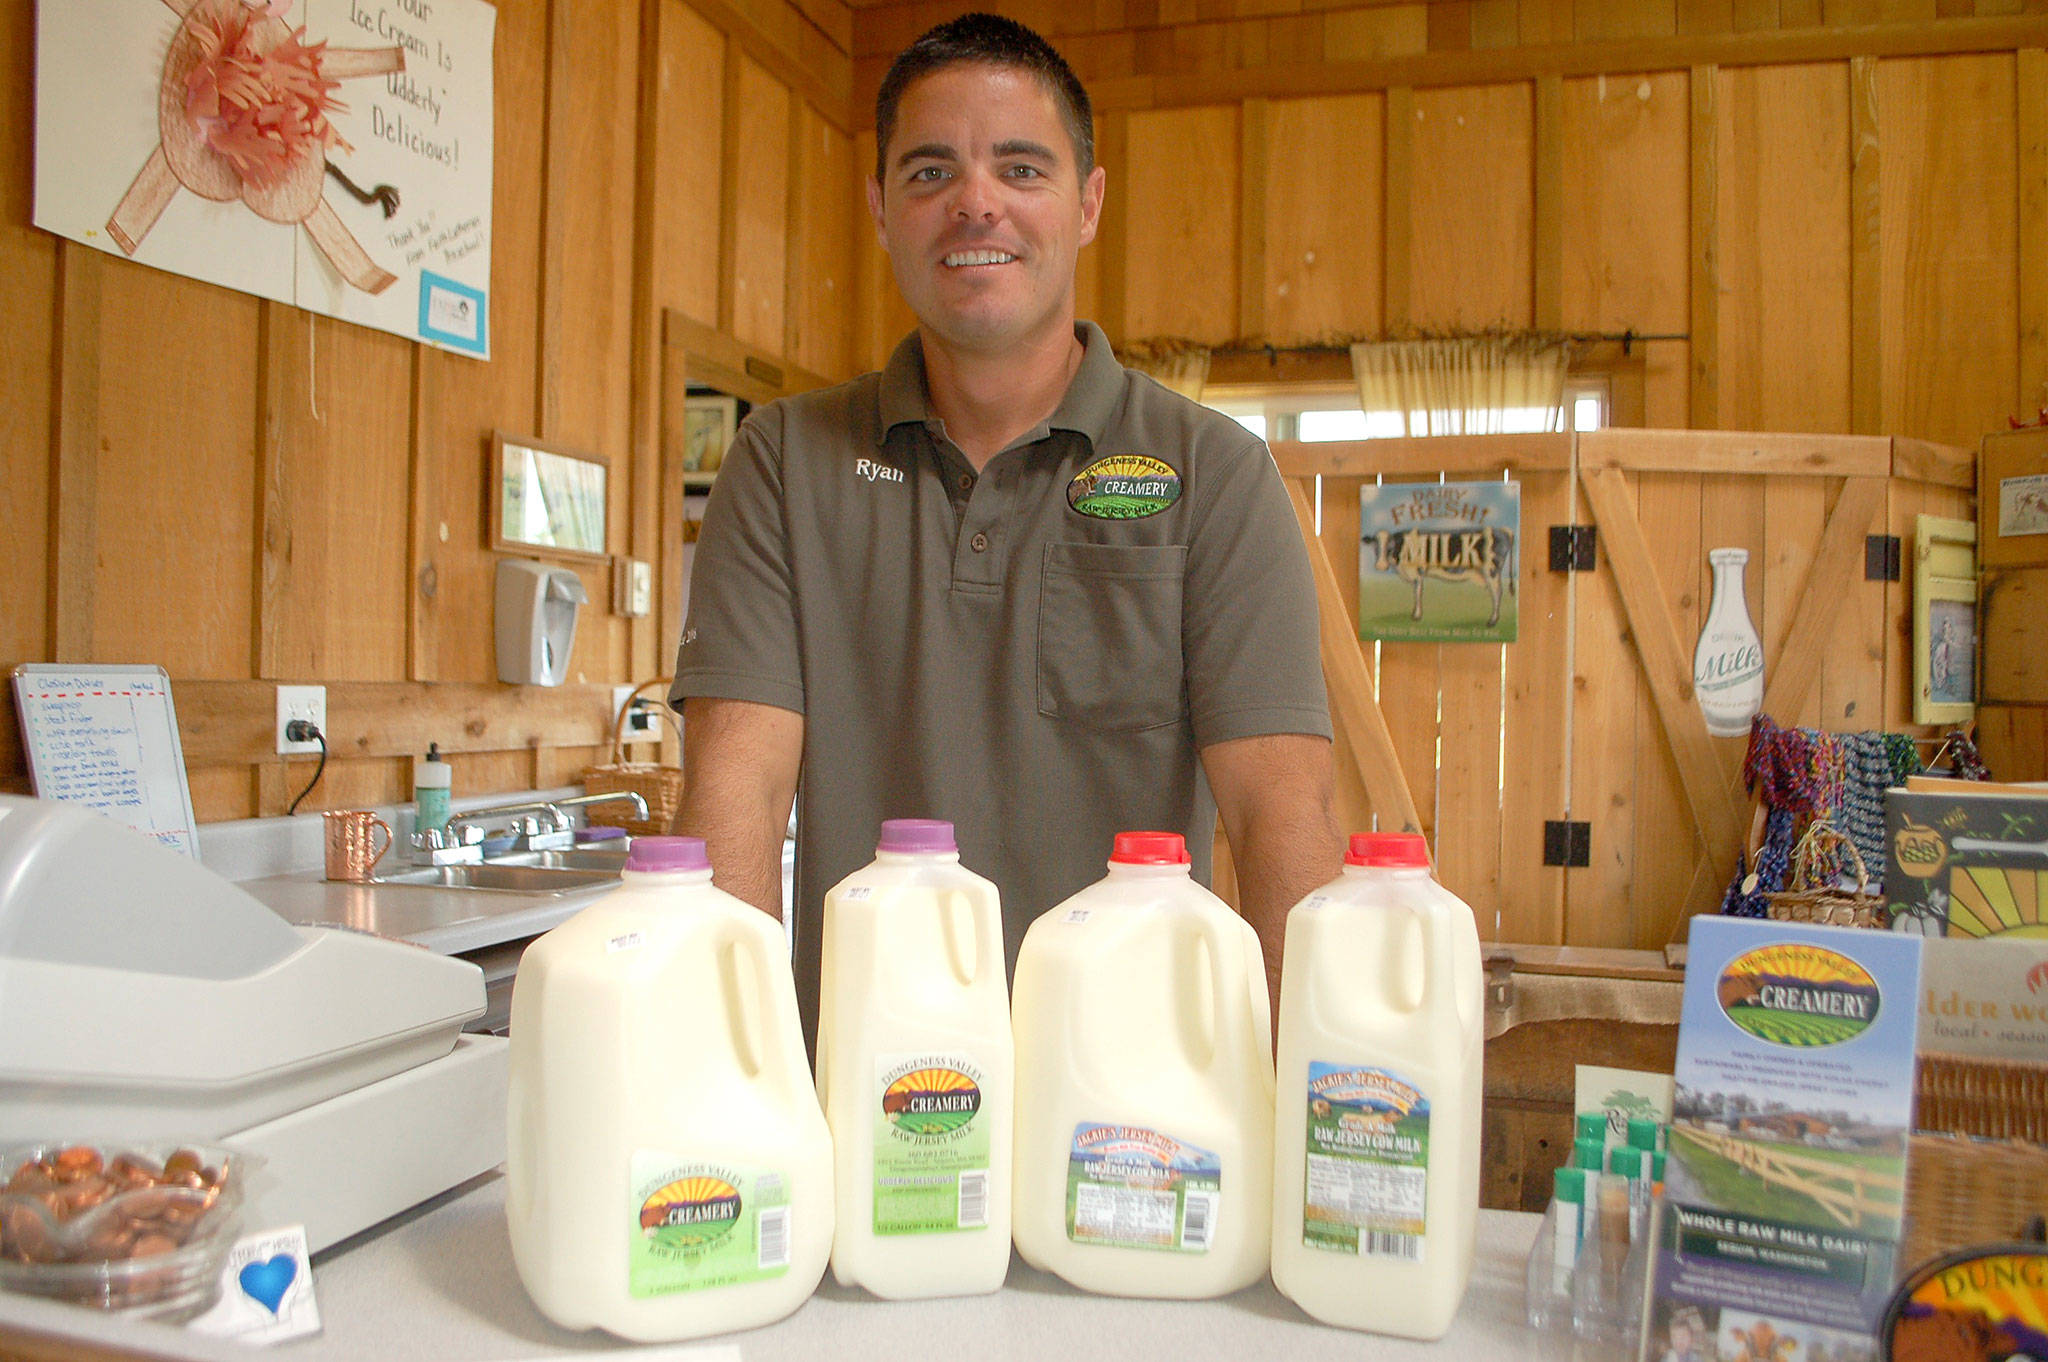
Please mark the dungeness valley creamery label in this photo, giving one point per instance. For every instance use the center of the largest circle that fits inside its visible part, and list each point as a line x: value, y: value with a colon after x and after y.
x: 701, y: 1224
x: 931, y: 1145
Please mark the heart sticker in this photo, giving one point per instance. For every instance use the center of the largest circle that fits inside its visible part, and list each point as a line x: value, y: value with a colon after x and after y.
x: 268, y: 1281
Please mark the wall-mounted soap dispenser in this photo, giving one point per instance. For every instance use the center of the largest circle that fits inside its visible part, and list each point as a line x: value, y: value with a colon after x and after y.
x: 536, y: 621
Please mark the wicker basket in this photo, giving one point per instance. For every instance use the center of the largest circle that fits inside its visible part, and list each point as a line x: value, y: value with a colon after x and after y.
x: 1962, y: 1192
x: 1807, y: 899
x: 661, y: 786
x: 1992, y: 1098
x: 1978, y: 1171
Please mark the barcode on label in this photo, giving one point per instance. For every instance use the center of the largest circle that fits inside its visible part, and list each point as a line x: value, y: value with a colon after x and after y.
x: 1198, y: 1221
x: 974, y: 1199
x: 1381, y: 1244
x: 775, y: 1237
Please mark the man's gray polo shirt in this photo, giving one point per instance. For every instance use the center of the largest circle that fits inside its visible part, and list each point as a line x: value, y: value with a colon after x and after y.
x: 1036, y: 653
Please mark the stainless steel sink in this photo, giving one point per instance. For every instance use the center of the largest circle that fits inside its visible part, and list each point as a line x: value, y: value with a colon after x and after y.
x: 506, y: 878
x: 578, y: 858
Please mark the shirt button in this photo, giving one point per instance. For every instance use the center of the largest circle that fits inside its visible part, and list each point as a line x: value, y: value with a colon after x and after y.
x: 980, y: 543
x: 967, y: 482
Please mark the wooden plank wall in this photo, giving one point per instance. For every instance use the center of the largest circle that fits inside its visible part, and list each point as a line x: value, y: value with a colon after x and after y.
x: 247, y: 494
x: 1835, y: 201
x: 1838, y: 205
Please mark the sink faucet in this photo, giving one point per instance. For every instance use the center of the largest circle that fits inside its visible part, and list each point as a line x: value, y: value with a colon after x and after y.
x: 632, y: 796
x: 544, y: 826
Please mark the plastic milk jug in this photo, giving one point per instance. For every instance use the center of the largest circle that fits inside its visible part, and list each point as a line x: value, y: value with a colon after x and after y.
x: 915, y: 1070
x: 668, y: 1172
x: 1376, y: 1179
x: 1144, y: 1084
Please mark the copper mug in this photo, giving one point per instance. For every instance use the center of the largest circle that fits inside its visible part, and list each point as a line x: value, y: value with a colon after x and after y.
x: 350, y: 840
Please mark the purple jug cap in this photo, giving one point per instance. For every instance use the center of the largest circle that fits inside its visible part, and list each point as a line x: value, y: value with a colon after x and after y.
x: 658, y: 854
x: 911, y: 836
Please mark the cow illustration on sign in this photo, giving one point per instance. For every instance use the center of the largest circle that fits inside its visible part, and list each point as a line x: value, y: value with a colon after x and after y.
x: 242, y: 113
x: 1437, y: 561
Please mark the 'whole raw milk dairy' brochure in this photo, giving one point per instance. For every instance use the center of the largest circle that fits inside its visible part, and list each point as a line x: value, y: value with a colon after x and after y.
x: 1786, y: 1176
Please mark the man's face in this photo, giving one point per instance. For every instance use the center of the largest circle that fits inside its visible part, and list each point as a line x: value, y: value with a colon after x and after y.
x: 982, y: 209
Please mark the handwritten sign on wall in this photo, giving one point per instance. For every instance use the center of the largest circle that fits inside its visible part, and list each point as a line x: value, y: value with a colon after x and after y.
x: 331, y: 154
x: 107, y: 738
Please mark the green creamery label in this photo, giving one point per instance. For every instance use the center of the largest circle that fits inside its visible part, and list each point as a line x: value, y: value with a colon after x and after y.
x: 1368, y: 1163
x: 1124, y: 487
x: 700, y: 1225
x: 1130, y: 1187
x: 931, y: 1145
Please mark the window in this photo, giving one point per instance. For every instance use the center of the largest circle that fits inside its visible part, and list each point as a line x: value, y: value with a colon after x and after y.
x: 1333, y: 413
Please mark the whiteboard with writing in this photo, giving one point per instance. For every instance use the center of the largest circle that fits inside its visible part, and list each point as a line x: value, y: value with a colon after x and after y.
x: 107, y: 737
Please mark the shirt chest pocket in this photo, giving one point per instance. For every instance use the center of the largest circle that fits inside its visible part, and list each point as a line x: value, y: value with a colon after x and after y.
x: 1109, y: 634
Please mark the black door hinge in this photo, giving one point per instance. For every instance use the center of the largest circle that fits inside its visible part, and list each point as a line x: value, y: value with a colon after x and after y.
x: 1571, y: 548
x: 1567, y: 843
x: 1881, y: 558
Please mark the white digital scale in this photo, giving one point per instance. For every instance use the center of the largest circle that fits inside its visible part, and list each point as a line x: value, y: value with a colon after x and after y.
x: 145, y: 998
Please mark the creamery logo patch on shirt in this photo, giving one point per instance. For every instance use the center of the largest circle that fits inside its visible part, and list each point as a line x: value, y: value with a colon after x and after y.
x: 1124, y: 487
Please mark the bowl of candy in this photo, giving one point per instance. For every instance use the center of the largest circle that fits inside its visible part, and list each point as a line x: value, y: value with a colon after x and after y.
x: 140, y: 1227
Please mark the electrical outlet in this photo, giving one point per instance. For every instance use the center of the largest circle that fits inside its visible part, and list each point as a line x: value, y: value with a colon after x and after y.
x: 639, y: 721
x: 300, y: 702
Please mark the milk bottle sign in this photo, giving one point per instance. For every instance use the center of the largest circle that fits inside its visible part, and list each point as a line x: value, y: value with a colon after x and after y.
x: 1728, y: 665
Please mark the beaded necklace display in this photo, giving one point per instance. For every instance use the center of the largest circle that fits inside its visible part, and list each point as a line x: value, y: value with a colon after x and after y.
x: 1802, y: 776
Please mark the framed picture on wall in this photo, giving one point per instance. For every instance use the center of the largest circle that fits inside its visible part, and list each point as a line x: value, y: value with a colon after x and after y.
x: 708, y: 425
x: 1944, y: 621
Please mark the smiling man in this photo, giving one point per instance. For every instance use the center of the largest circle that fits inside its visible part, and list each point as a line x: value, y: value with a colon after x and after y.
x: 1005, y: 581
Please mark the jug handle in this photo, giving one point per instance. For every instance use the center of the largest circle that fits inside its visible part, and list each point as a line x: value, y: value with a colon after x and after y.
x: 1223, y: 1013
x: 956, y: 904
x: 761, y: 1029
x: 1439, y: 942
x: 1260, y: 998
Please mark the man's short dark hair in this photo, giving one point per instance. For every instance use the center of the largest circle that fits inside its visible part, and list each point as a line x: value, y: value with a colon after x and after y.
x: 986, y: 40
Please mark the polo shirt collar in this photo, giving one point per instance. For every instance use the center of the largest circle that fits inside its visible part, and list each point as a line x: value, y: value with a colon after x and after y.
x: 1091, y: 402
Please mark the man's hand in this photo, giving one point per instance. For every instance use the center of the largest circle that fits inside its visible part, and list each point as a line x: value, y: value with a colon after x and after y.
x: 740, y: 764
x: 1277, y: 797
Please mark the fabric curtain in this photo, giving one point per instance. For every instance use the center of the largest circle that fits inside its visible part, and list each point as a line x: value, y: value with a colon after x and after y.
x: 1182, y: 367
x: 1479, y: 385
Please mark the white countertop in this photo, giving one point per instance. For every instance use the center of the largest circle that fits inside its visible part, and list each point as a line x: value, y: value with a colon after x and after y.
x: 439, y: 1284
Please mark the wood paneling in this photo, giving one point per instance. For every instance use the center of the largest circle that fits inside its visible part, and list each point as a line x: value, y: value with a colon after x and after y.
x: 1180, y: 206
x: 760, y: 123
x: 688, y: 187
x: 823, y: 204
x: 243, y: 492
x: 2032, y: 106
x: 176, y: 499
x: 1472, y: 207
x: 1322, y: 217
x: 1626, y: 238
x: 28, y: 280
x: 334, y: 438
x: 1950, y: 266
x: 1783, y: 177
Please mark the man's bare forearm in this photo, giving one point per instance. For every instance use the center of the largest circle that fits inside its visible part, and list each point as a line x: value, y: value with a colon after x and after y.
x: 1277, y: 797
x: 740, y: 765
